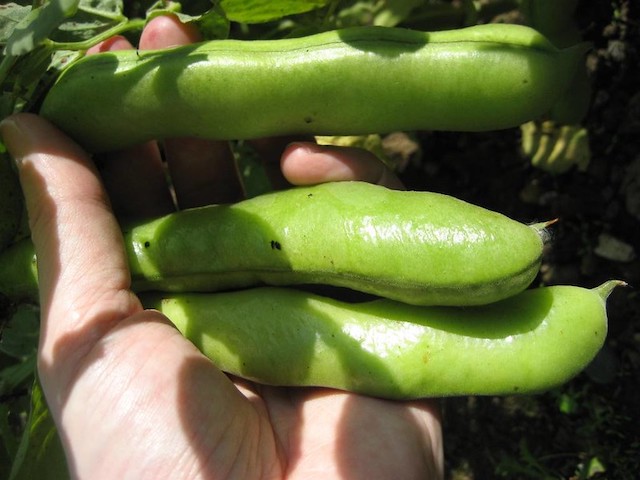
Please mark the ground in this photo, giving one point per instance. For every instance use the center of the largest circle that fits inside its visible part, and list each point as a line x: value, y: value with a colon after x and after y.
x: 589, y: 427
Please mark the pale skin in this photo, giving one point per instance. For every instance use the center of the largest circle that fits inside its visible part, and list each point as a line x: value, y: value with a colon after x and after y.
x: 131, y: 397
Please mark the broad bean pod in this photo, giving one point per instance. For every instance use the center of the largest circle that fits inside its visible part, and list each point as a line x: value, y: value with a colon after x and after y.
x: 557, y: 22
x: 415, y: 247
x: 346, y: 82
x: 528, y: 343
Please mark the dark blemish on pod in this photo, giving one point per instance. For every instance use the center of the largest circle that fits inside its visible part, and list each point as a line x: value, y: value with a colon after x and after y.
x: 308, y: 120
x: 147, y: 244
x: 275, y: 245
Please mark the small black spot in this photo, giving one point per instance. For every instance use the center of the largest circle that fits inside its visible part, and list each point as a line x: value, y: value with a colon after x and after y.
x: 308, y: 120
x: 147, y: 244
x: 310, y: 195
x: 275, y: 245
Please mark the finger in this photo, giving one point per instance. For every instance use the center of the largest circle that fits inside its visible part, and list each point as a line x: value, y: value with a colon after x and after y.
x: 202, y: 171
x: 166, y: 31
x: 270, y: 151
x: 110, y: 45
x: 134, y: 177
x: 309, y: 164
x: 82, y: 268
x: 136, y: 182
x: 98, y: 347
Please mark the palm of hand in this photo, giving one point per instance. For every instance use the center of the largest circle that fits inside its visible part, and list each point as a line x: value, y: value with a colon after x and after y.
x: 172, y: 408
x: 131, y: 397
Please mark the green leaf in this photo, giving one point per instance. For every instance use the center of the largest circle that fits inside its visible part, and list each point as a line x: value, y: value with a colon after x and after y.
x: 8, y: 444
x: 91, y: 18
x: 568, y: 404
x: 10, y: 201
x: 10, y: 16
x: 18, y: 344
x: 6, y: 109
x: 211, y: 22
x: 36, y: 27
x: 40, y: 454
x: 253, y: 175
x: 17, y: 375
x: 592, y: 467
x: 20, y: 334
x: 259, y: 11
x: 395, y: 12
x: 103, y: 7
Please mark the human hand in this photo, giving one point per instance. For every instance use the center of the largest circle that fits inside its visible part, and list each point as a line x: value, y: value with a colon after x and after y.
x: 131, y: 397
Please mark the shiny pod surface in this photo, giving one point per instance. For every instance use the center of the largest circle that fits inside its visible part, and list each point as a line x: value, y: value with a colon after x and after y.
x: 528, y: 343
x: 346, y: 82
x: 415, y: 247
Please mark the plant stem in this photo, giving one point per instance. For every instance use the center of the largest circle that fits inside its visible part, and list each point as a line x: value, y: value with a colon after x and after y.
x: 124, y: 26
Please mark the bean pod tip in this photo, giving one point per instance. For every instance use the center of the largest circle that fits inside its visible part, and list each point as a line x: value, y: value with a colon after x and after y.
x: 609, y: 286
x: 542, y: 229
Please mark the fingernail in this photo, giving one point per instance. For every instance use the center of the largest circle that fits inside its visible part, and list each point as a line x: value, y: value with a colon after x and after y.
x: 304, y: 147
x: 14, y: 138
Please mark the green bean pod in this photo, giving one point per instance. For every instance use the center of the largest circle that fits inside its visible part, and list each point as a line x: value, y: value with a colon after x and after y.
x: 347, y: 82
x: 557, y: 22
x: 528, y: 343
x: 415, y: 247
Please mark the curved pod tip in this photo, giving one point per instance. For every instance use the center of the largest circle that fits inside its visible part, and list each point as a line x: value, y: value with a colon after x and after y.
x: 609, y: 286
x: 541, y: 229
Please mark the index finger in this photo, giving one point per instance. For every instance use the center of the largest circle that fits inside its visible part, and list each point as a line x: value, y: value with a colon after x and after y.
x: 82, y: 268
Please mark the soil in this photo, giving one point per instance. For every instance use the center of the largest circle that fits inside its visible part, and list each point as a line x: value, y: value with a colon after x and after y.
x: 588, y: 428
